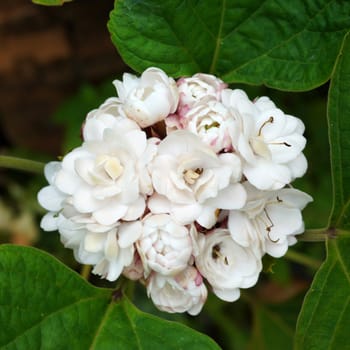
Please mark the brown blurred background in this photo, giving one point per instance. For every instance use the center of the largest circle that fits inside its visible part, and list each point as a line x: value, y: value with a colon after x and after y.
x: 46, y: 53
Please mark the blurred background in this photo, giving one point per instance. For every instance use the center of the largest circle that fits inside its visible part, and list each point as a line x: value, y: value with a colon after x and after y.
x: 58, y: 63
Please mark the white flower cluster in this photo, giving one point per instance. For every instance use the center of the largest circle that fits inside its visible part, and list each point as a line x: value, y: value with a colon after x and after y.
x: 180, y: 185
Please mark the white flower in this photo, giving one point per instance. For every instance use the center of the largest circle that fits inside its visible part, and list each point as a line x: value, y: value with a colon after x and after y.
x: 209, y: 119
x: 107, y: 116
x: 107, y: 177
x: 269, y: 141
x: 164, y: 246
x: 192, y: 182
x: 148, y: 99
x: 198, y: 87
x: 184, y: 292
x: 109, y: 248
x: 269, y: 220
x: 115, y: 249
x: 226, y: 265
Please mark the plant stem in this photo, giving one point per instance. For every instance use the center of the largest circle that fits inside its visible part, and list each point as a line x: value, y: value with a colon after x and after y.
x: 85, y: 271
x: 315, y: 235
x: 21, y: 164
x: 303, y: 259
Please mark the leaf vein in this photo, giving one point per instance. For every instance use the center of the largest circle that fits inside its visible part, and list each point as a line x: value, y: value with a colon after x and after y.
x: 342, y: 264
x: 261, y: 4
x: 218, y: 39
x: 132, y: 324
x: 306, y: 330
x: 338, y: 322
x: 280, y: 44
x: 52, y: 314
x: 101, y: 324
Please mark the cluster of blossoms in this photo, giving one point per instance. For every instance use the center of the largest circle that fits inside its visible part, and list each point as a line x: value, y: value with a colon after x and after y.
x: 180, y: 185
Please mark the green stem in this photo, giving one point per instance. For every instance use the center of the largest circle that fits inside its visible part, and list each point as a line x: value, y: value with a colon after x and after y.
x: 21, y: 164
x: 316, y: 235
x: 303, y: 259
x: 85, y: 271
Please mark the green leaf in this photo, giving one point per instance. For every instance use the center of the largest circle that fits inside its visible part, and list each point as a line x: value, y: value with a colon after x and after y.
x: 50, y: 2
x: 339, y: 134
x: 44, y: 305
x: 325, y: 317
x: 283, y: 44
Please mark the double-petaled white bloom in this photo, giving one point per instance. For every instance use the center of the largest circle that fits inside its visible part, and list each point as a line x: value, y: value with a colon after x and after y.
x: 192, y: 181
x: 148, y: 99
x: 107, y: 116
x: 226, y: 265
x: 184, y: 292
x: 110, y: 251
x: 107, y: 176
x: 109, y: 247
x: 210, y: 120
x: 269, y: 142
x: 270, y: 219
x: 199, y: 86
x: 164, y: 246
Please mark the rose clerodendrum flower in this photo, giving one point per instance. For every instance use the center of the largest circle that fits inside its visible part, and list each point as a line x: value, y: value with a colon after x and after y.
x: 192, y: 182
x: 269, y: 220
x: 269, y: 142
x: 226, y: 265
x: 148, y: 99
x: 198, y: 207
x: 164, y: 246
x: 184, y: 292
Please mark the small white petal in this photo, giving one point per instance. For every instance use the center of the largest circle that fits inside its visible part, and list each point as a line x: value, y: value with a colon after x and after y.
x: 50, y: 198
x: 229, y: 295
x: 129, y: 233
x: 49, y: 222
x: 110, y: 214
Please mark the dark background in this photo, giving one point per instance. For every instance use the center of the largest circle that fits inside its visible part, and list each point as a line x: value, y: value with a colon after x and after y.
x: 46, y: 53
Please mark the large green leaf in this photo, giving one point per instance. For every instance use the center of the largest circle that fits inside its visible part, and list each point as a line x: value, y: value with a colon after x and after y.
x: 283, y: 44
x: 325, y: 317
x: 44, y: 305
x: 339, y: 133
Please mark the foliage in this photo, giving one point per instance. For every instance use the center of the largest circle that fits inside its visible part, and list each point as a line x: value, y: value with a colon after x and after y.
x: 58, y: 309
x: 241, y: 41
x: 293, y: 46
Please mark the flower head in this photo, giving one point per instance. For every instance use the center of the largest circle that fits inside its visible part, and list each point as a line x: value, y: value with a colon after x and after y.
x: 204, y: 200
